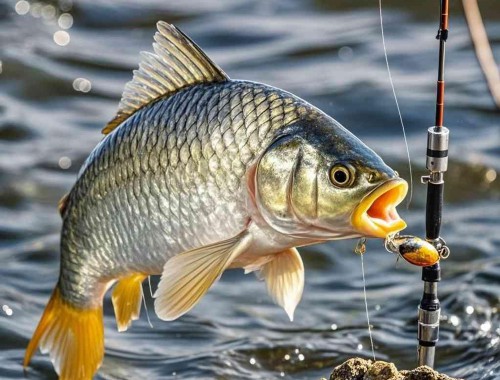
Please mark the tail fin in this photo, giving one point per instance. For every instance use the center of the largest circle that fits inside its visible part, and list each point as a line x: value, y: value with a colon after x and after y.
x: 74, y: 338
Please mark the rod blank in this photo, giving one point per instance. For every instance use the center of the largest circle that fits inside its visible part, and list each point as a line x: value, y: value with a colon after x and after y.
x: 437, y: 162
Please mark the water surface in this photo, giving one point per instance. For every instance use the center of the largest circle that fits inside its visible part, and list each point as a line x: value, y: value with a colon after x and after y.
x: 328, y: 52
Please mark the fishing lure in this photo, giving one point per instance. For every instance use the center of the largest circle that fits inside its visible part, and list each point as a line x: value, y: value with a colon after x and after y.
x: 413, y: 249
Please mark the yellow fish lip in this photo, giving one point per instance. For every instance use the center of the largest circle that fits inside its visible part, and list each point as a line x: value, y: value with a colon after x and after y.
x: 376, y: 214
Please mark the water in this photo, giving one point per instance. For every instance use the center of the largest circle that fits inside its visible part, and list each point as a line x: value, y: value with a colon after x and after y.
x: 328, y: 52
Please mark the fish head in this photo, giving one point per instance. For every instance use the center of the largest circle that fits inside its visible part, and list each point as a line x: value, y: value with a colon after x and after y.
x: 318, y: 181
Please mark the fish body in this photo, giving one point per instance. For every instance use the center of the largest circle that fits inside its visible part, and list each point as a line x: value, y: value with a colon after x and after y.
x: 172, y: 178
x: 198, y: 173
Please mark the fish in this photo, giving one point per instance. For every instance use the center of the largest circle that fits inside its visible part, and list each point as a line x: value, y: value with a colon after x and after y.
x: 198, y: 173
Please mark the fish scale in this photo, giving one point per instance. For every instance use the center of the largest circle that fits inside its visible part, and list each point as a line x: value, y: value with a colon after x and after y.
x: 156, y: 211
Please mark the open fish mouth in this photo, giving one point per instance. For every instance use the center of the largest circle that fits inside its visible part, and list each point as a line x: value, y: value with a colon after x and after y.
x: 376, y: 215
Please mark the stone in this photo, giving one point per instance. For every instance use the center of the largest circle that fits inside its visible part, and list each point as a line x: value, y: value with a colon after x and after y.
x: 420, y: 373
x: 382, y: 371
x: 362, y: 369
x: 424, y: 373
x: 352, y: 369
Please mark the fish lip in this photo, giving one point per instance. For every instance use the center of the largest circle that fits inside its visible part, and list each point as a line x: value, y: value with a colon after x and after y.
x: 376, y: 214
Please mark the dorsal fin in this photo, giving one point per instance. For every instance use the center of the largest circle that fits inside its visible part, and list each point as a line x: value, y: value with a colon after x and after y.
x: 177, y: 62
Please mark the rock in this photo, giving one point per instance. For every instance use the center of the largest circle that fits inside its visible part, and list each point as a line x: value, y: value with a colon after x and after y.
x: 382, y: 371
x: 424, y: 373
x: 352, y: 369
x: 361, y: 369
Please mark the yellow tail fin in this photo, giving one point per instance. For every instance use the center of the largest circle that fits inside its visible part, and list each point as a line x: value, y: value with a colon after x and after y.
x: 74, y: 338
x: 127, y: 297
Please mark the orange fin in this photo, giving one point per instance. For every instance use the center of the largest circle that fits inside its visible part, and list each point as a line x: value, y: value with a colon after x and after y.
x: 62, y: 204
x: 127, y: 296
x: 74, y: 338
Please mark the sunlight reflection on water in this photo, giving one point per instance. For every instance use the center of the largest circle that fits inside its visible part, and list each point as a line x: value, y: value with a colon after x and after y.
x: 63, y: 67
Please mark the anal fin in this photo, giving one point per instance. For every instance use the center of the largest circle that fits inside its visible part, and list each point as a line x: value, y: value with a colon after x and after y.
x: 284, y: 276
x: 127, y: 297
x: 188, y: 276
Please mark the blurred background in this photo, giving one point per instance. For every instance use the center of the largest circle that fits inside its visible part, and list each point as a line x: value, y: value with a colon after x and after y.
x: 63, y: 66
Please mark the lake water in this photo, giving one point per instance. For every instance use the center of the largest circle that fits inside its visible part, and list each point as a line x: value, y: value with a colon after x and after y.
x: 328, y: 52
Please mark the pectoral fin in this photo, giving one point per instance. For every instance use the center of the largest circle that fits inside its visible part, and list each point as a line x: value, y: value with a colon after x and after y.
x: 188, y: 276
x: 284, y: 277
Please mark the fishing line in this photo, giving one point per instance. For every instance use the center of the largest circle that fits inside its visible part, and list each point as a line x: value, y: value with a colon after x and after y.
x: 366, y: 308
x: 146, y: 307
x: 150, y: 288
x: 397, y: 103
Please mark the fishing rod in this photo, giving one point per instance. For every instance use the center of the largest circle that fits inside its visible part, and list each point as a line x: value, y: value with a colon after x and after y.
x: 427, y: 253
x: 429, y: 309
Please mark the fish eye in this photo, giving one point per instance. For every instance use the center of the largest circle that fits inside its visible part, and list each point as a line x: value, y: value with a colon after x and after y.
x: 340, y: 176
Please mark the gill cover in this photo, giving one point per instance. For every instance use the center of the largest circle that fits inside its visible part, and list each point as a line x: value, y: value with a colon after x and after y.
x: 286, y: 186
